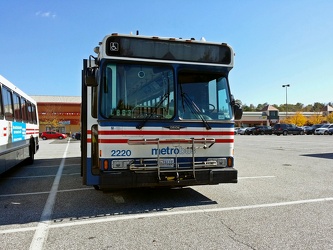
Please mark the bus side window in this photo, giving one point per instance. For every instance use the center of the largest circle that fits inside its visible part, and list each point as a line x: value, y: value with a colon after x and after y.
x: 29, y: 112
x: 7, y: 104
x: 17, y: 107
x: 1, y: 105
x: 24, y: 110
x: 33, y: 113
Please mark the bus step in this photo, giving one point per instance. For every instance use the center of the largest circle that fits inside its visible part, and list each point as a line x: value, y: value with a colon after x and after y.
x: 177, y: 178
x: 186, y: 182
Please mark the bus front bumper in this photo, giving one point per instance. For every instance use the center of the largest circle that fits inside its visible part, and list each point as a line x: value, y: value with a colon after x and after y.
x: 137, y: 179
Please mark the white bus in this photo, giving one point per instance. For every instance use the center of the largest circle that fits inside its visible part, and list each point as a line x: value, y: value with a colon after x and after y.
x: 157, y: 112
x: 19, y: 128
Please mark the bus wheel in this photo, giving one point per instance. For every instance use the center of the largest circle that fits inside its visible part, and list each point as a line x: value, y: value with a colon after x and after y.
x: 96, y: 187
x: 31, y: 158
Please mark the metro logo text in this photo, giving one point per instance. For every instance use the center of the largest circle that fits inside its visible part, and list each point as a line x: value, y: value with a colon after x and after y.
x: 171, y: 151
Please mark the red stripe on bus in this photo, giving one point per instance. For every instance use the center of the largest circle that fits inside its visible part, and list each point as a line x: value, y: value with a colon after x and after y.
x: 189, y: 133
x: 115, y: 141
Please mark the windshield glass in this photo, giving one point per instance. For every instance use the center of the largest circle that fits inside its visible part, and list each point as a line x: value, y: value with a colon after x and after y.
x: 203, y: 96
x: 137, y: 92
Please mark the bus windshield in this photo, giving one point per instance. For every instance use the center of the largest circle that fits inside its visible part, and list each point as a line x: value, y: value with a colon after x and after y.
x: 137, y: 92
x: 203, y: 96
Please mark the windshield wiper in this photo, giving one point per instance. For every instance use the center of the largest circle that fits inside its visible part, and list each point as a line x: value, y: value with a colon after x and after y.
x: 165, y: 96
x: 194, y: 109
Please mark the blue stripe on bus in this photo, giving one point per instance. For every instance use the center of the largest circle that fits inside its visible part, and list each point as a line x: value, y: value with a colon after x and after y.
x: 166, y: 124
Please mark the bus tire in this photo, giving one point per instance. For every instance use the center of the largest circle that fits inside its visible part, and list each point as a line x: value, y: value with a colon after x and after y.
x: 31, y: 158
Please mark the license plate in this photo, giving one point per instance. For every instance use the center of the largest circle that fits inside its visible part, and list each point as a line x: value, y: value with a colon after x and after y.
x: 167, y: 163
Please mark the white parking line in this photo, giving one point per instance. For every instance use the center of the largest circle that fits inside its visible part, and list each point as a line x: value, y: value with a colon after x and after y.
x: 42, y: 229
x: 53, y: 166
x: 47, y: 192
x: 168, y: 213
x: 255, y: 177
x: 37, y: 176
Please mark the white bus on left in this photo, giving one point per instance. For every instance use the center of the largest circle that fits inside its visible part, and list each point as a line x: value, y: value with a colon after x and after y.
x: 19, y: 127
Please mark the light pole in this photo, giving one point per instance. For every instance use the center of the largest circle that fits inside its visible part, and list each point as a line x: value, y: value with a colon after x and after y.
x: 286, y: 86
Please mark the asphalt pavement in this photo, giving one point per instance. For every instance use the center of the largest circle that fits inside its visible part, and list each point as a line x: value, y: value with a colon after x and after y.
x: 283, y: 200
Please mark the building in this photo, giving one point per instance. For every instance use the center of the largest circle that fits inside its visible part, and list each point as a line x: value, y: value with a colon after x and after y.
x: 270, y: 115
x: 327, y: 110
x: 62, y: 114
x: 59, y: 113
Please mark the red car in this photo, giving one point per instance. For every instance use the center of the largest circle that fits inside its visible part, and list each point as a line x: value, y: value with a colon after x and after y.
x: 52, y: 135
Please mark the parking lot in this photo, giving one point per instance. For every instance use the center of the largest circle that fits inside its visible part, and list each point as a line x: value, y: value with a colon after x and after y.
x: 283, y: 200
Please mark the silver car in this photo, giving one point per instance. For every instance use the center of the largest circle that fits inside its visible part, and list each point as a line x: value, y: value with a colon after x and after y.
x: 323, y: 130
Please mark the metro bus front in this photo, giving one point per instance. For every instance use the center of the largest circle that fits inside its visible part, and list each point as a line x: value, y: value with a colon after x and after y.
x: 162, y: 125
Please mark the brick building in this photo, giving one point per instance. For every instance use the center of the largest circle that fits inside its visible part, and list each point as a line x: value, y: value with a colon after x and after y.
x: 59, y: 113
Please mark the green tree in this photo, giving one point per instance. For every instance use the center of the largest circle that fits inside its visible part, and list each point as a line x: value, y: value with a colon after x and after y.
x: 299, y: 107
x: 317, y: 107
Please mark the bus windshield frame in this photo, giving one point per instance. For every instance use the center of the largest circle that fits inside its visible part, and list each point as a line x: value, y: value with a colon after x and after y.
x: 142, y: 91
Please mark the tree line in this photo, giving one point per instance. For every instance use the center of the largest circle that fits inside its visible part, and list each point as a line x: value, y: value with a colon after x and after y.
x: 298, y: 107
x: 298, y: 118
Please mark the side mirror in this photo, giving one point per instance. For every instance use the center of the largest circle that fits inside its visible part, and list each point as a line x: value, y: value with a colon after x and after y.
x: 238, y: 111
x: 90, y: 77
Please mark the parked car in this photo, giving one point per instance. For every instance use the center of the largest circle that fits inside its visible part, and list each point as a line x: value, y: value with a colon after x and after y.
x: 330, y: 131
x: 77, y: 136
x: 241, y: 131
x: 323, y: 130
x: 262, y: 130
x: 311, y: 129
x: 249, y: 130
x: 52, y: 135
x: 307, y: 129
x: 287, y: 129
x: 236, y: 130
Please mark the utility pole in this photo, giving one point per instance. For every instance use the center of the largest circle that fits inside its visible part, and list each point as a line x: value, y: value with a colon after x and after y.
x: 286, y: 86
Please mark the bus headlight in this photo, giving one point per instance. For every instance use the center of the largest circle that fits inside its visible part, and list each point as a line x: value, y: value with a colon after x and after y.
x: 222, y: 162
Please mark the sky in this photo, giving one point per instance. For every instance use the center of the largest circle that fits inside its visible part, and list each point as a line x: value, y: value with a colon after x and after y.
x: 43, y: 42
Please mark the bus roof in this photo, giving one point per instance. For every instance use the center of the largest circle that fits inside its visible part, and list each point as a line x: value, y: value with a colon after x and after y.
x: 147, y: 48
x: 11, y: 86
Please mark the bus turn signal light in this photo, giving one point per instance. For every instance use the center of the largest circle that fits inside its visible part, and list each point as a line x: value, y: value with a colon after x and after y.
x: 105, y: 165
